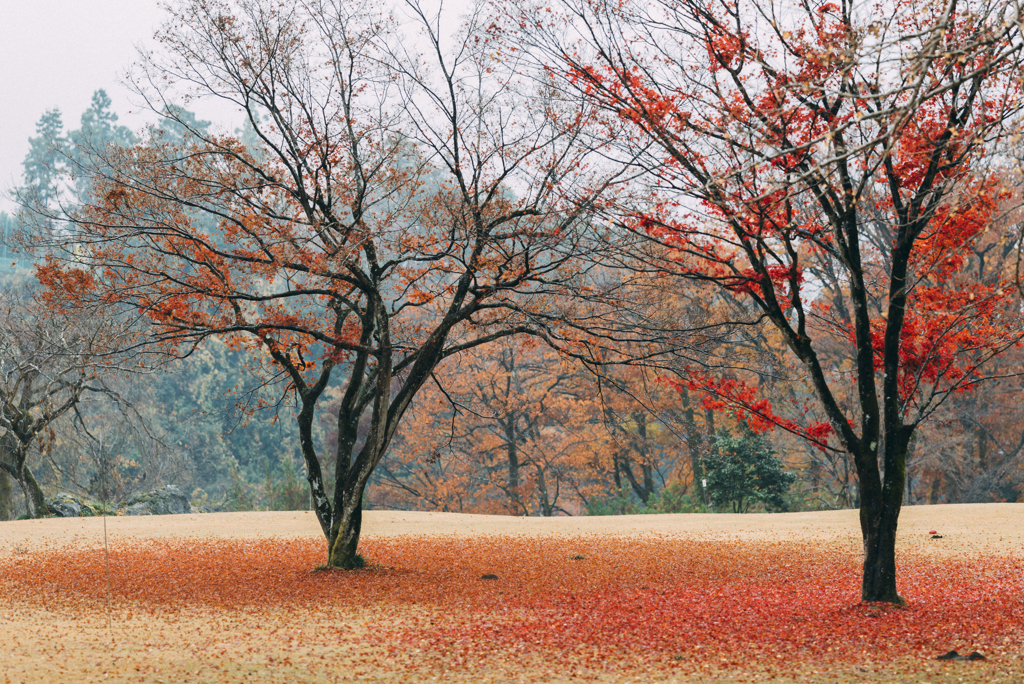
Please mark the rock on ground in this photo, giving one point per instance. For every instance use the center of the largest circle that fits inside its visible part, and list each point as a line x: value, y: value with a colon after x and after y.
x: 65, y: 505
x: 167, y: 501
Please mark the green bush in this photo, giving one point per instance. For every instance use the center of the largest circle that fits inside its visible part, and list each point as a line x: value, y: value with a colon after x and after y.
x: 240, y: 496
x: 674, y: 499
x: 284, y: 490
x: 743, y: 471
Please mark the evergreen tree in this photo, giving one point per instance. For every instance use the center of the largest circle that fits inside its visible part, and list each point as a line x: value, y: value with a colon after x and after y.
x: 743, y: 469
x: 45, y: 161
x: 99, y: 129
x: 6, y: 232
x: 99, y: 126
x: 250, y: 139
x: 177, y: 122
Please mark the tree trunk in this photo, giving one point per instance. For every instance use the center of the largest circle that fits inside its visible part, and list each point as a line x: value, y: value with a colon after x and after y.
x: 512, y: 452
x: 7, y: 447
x: 342, y: 549
x: 347, y: 513
x: 640, y: 418
x: 709, y: 425
x: 879, y: 516
x: 693, y: 439
x: 879, y: 532
x: 16, y: 468
x: 546, y: 506
x: 34, y: 500
x: 6, y: 497
x: 982, y: 437
x: 642, y: 491
x: 910, y: 480
x: 648, y: 471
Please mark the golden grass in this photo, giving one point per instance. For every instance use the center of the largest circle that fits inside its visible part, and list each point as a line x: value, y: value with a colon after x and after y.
x: 229, y: 597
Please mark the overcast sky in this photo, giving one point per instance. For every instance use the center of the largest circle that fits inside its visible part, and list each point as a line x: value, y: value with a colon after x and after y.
x: 55, y: 53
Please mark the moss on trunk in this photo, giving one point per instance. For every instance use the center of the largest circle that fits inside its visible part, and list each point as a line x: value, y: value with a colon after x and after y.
x: 6, y: 496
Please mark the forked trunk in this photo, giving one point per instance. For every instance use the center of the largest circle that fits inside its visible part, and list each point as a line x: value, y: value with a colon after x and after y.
x: 342, y: 549
x: 347, y: 515
x: 6, y: 496
x: 34, y: 500
x: 35, y: 504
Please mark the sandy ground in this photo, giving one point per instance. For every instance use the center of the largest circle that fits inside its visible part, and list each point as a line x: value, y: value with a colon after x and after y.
x: 51, y: 644
x: 966, y: 528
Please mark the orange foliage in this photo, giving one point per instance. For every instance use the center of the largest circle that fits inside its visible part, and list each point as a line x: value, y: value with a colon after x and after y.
x: 520, y: 438
x: 516, y: 429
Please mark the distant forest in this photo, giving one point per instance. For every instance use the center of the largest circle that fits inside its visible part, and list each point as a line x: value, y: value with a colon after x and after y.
x: 508, y: 428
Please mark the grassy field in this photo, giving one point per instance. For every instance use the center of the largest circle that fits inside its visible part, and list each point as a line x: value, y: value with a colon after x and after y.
x: 234, y: 598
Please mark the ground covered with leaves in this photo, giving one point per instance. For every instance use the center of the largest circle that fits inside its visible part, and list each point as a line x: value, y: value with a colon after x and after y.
x: 580, y: 607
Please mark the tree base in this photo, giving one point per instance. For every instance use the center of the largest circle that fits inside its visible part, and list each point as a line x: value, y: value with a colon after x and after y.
x: 353, y: 562
x: 891, y: 598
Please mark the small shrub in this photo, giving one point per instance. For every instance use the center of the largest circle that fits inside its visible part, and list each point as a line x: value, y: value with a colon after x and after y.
x: 743, y: 471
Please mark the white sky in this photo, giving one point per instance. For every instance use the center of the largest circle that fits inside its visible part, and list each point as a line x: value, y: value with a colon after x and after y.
x: 56, y: 53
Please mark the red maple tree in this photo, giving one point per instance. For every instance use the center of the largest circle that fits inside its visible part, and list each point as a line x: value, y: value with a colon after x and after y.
x: 799, y: 147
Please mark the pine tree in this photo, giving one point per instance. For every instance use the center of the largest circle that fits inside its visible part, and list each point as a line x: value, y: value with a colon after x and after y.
x: 44, y: 161
x: 99, y: 129
x: 179, y: 122
x: 743, y: 470
x: 6, y: 232
x: 99, y: 125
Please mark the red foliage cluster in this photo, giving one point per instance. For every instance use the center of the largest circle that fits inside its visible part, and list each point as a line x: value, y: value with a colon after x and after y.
x: 650, y: 602
x: 742, y: 400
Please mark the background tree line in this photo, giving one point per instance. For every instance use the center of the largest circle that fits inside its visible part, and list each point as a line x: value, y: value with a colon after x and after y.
x: 510, y: 429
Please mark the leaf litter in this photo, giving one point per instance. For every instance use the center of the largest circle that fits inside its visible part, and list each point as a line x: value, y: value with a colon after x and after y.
x: 660, y: 606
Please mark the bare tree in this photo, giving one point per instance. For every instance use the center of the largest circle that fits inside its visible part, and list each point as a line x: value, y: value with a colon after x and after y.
x: 48, y: 363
